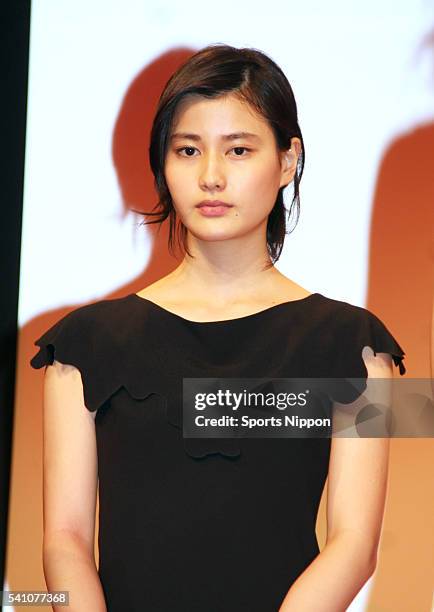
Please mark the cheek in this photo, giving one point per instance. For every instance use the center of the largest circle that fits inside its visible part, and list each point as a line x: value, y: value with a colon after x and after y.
x: 260, y: 183
x: 178, y: 181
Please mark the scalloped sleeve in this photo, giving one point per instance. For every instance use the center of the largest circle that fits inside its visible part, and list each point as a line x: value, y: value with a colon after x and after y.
x: 382, y: 341
x: 76, y: 340
x: 359, y: 328
x: 356, y: 328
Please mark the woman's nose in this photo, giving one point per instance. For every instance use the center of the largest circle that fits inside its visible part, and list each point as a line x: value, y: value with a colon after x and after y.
x: 212, y: 174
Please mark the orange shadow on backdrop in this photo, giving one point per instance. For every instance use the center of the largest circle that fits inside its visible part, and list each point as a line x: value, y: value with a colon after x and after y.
x: 399, y: 292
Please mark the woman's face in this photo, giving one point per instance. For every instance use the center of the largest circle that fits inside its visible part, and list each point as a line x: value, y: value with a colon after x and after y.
x: 209, y: 159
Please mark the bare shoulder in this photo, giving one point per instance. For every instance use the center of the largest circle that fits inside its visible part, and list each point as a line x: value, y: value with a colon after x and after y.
x: 289, y: 290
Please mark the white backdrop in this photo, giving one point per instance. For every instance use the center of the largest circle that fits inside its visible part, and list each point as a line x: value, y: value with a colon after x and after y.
x: 360, y: 77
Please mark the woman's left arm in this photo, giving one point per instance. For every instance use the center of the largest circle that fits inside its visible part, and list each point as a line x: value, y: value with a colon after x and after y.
x: 357, y: 481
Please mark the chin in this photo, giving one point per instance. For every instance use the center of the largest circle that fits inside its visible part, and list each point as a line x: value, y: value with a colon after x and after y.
x: 212, y: 236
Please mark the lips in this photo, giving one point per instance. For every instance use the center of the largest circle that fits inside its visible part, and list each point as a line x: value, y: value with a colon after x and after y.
x: 213, y: 208
x: 213, y: 203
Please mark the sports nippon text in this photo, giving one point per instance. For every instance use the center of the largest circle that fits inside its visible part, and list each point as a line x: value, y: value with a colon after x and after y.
x: 254, y: 408
x: 240, y: 401
x: 307, y: 407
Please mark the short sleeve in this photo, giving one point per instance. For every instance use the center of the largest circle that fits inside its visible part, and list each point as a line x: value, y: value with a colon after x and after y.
x: 356, y: 327
x: 374, y: 333
x: 77, y: 340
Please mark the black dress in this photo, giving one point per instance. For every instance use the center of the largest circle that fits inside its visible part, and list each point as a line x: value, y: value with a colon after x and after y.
x: 204, y: 525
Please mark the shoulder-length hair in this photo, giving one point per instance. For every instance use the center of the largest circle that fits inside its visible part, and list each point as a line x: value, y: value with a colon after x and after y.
x: 251, y: 75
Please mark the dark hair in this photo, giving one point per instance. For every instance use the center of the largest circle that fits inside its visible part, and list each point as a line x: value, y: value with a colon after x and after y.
x: 248, y: 73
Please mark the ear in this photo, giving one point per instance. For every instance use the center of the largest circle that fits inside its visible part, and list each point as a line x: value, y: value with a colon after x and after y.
x: 288, y: 161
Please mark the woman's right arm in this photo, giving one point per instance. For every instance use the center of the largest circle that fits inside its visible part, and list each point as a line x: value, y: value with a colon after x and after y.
x: 69, y: 491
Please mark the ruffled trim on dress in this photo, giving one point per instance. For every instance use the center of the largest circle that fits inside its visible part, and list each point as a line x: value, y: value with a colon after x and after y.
x: 71, y: 341
x: 201, y: 447
x: 374, y: 333
x: 108, y: 345
x: 79, y: 339
x: 358, y: 328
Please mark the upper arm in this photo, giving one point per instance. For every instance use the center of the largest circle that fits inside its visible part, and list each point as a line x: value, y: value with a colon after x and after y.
x: 357, y: 478
x: 69, y: 456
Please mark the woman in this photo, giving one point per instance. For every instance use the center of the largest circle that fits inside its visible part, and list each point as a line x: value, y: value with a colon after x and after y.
x: 210, y: 524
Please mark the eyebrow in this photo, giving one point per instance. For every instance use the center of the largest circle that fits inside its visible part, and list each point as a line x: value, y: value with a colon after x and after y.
x: 226, y: 137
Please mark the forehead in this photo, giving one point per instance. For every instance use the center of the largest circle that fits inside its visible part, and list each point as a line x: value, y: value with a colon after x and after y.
x: 217, y: 117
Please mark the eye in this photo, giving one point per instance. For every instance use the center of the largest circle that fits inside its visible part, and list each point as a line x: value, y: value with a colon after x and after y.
x: 242, y: 149
x: 186, y: 148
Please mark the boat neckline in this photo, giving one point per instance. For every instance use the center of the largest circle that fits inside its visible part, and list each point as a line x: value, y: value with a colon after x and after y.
x: 253, y: 315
